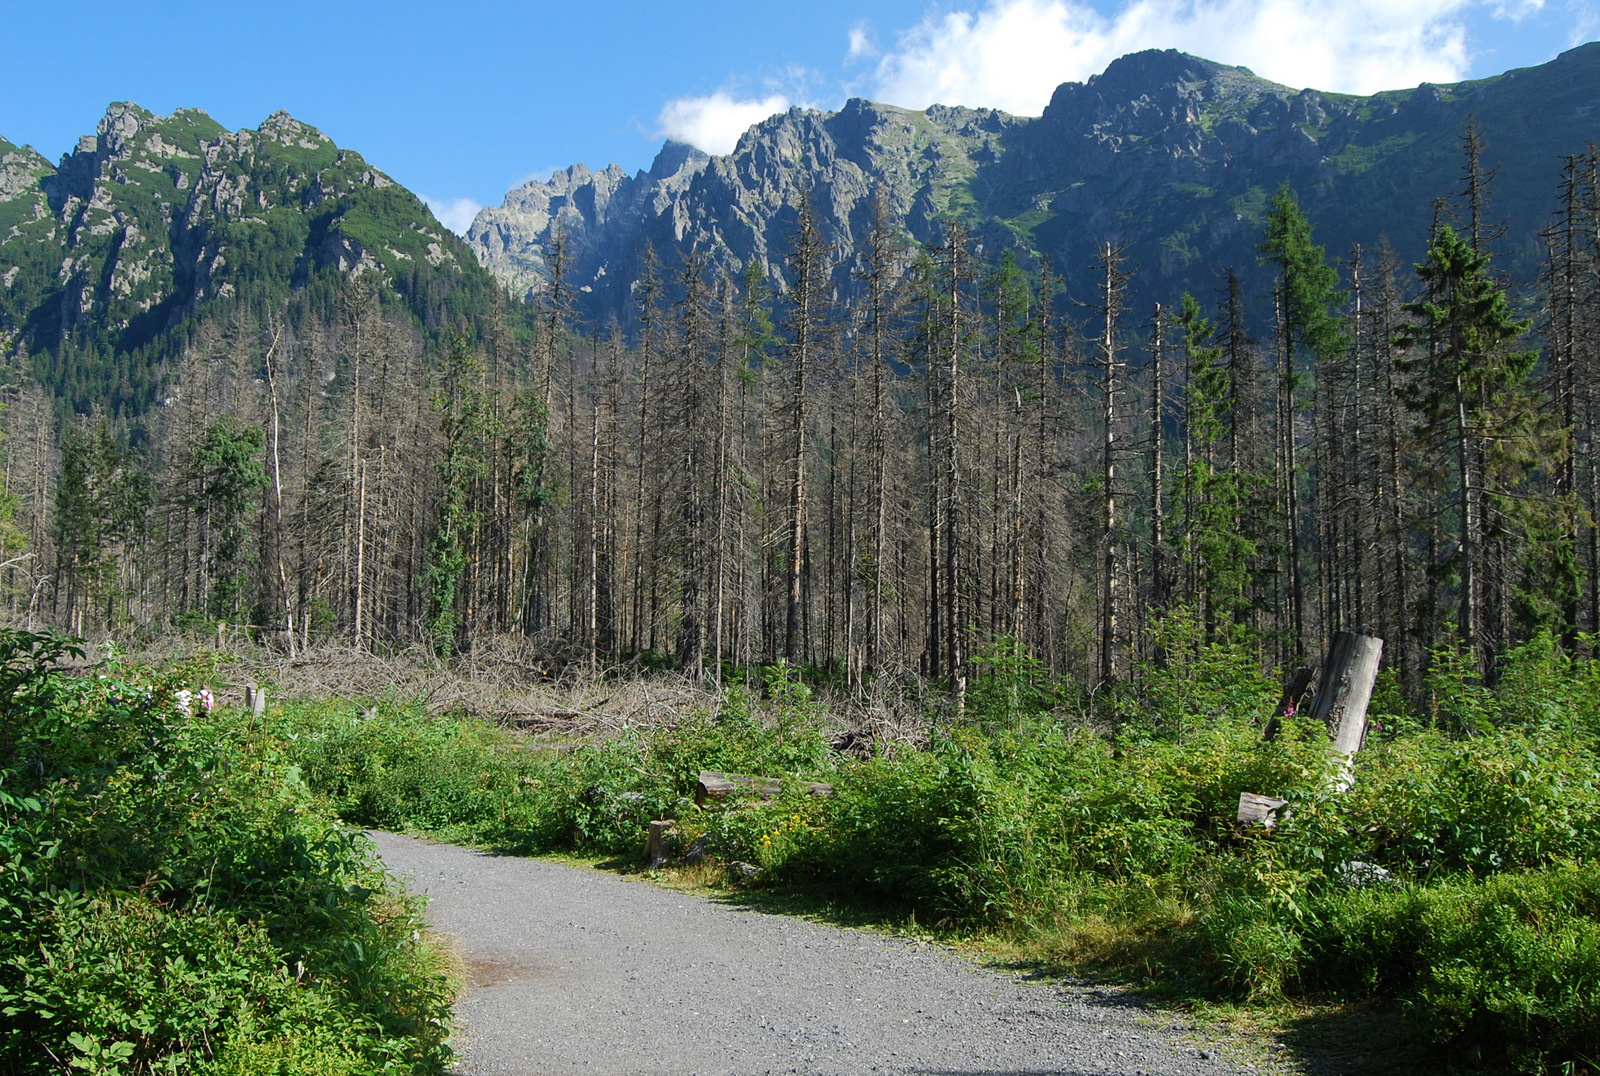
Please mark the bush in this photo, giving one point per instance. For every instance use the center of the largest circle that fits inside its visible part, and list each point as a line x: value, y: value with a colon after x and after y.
x: 174, y: 895
x: 1504, y: 971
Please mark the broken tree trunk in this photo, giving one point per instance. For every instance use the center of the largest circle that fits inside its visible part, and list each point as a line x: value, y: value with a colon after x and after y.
x: 1293, y: 692
x: 1343, y: 692
x: 719, y: 786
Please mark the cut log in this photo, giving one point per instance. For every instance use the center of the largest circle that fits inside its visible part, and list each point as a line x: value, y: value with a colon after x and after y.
x: 1342, y: 696
x: 719, y: 786
x: 1257, y: 810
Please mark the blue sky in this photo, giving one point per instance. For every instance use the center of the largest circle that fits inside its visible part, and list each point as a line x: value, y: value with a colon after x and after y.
x: 461, y: 102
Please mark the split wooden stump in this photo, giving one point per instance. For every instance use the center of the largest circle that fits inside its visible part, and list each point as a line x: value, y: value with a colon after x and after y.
x: 1343, y: 693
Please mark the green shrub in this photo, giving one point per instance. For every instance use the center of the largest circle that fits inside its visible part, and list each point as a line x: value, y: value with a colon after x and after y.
x: 174, y: 893
x: 1504, y: 971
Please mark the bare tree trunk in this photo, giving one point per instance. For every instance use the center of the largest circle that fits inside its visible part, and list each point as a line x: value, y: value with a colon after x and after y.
x: 955, y: 600
x: 1158, y: 535
x: 277, y: 495
x: 1111, y: 598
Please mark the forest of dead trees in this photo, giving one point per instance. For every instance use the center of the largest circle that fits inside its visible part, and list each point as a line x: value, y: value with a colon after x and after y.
x: 958, y: 459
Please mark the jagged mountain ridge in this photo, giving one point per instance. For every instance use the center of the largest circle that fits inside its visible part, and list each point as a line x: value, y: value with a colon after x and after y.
x: 1175, y: 155
x: 145, y: 225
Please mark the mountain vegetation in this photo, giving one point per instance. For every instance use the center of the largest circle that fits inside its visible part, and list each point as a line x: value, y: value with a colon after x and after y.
x: 157, y: 226
x: 938, y: 457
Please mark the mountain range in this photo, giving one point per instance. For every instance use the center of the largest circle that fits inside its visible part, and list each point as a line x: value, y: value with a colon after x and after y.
x: 112, y: 256
x: 1174, y: 155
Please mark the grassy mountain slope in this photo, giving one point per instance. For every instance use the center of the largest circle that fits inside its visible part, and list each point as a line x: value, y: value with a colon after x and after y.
x: 155, y: 223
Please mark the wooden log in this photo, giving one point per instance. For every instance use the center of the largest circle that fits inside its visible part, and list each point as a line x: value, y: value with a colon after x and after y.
x: 719, y: 786
x: 655, y: 849
x: 1257, y: 810
x: 1343, y: 693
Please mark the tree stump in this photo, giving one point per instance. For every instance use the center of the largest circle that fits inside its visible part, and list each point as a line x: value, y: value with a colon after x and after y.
x: 1343, y: 692
x: 655, y: 850
x: 1257, y: 810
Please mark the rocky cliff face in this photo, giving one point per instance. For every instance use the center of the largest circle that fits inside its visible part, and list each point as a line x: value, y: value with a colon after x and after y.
x: 739, y: 209
x: 1174, y: 155
x: 153, y: 217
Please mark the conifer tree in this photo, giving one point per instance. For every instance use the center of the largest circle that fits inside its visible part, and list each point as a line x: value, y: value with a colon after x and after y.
x: 1307, y: 291
x: 1468, y: 385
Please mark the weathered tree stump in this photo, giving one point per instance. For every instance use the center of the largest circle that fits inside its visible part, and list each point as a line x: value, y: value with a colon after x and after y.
x: 655, y: 849
x: 1257, y: 810
x: 1343, y: 693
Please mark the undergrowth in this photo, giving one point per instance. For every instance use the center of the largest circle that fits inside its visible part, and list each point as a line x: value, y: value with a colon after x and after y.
x: 175, y: 899
x: 1457, y: 876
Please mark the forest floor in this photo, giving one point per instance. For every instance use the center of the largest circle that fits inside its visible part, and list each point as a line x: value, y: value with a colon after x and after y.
x: 573, y: 970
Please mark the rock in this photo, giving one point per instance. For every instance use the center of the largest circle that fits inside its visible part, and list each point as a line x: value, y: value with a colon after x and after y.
x: 1354, y: 874
x: 747, y: 873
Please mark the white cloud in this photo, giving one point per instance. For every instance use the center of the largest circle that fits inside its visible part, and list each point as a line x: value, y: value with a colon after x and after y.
x: 1011, y: 54
x: 861, y: 41
x: 1517, y: 10
x: 714, y: 123
x: 454, y: 213
x: 1588, y: 25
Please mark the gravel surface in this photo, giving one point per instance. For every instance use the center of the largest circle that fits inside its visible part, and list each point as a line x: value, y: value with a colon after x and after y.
x: 580, y: 971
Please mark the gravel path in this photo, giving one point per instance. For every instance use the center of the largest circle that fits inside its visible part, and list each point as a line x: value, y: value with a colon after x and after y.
x: 579, y: 971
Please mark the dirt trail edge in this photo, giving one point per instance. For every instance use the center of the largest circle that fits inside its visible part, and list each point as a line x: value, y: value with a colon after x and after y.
x: 579, y: 971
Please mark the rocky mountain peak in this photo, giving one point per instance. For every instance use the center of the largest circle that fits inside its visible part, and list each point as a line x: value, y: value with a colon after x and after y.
x: 21, y: 167
x: 284, y: 128
x: 1174, y: 153
x: 674, y: 158
x: 1144, y: 72
x: 154, y: 216
x: 119, y: 126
